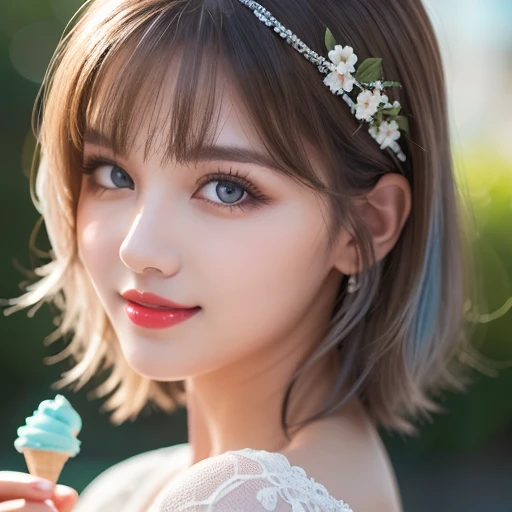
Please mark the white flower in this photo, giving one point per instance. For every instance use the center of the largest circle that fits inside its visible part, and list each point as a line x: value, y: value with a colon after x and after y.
x: 367, y: 105
x: 343, y: 69
x: 343, y: 56
x: 386, y: 134
x: 336, y: 81
x: 378, y: 86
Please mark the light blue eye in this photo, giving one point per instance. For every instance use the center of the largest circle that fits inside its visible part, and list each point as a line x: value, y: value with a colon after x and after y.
x: 229, y: 192
x: 120, y: 178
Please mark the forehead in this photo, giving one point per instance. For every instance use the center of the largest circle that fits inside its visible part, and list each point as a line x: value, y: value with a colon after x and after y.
x: 164, y: 110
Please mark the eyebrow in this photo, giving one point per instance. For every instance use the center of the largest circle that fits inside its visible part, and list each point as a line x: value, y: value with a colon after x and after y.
x: 202, y: 154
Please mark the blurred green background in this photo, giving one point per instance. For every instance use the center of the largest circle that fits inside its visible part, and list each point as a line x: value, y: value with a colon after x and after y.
x: 463, y: 460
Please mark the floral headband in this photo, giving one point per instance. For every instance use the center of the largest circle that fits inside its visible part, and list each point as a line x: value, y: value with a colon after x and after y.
x: 371, y: 104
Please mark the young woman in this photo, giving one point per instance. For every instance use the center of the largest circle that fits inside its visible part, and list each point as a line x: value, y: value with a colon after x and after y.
x: 254, y: 217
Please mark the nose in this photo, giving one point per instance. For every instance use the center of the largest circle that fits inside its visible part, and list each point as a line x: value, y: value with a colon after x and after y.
x: 147, y: 246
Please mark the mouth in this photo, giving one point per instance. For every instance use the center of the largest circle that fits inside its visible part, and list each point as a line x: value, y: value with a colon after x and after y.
x: 160, y: 308
x: 151, y: 316
x: 153, y: 306
x: 150, y: 300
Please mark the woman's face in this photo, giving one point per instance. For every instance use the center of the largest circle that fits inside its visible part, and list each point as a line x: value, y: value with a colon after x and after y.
x: 251, y: 252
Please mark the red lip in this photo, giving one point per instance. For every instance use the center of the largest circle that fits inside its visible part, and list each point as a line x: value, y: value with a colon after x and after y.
x: 141, y: 310
x: 152, y: 300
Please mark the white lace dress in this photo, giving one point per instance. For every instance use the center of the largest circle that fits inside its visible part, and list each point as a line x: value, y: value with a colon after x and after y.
x: 237, y: 481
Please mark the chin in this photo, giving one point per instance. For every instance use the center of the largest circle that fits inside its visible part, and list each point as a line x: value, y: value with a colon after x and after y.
x: 161, y: 364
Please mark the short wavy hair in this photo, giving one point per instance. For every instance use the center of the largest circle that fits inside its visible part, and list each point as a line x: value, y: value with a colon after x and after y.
x: 399, y: 337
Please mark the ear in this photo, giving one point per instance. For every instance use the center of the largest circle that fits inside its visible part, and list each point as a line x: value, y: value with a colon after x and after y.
x: 384, y: 210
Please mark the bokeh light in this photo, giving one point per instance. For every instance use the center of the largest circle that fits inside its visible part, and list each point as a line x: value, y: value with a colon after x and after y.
x: 32, y: 47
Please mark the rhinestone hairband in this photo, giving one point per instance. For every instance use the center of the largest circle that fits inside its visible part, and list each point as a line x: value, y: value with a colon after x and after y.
x: 371, y: 105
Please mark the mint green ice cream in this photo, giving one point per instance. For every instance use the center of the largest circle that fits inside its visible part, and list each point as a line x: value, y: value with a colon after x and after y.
x: 53, y: 427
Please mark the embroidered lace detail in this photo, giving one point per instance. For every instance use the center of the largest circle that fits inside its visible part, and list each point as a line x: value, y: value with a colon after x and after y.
x: 284, y: 478
x: 247, y: 480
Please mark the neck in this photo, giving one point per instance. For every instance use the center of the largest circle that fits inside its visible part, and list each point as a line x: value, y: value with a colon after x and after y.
x: 236, y: 409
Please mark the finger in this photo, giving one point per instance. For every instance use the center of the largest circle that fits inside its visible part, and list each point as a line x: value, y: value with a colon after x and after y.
x: 15, y: 485
x: 27, y: 506
x: 64, y: 498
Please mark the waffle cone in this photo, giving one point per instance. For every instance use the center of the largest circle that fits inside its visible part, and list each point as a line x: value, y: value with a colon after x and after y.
x: 45, y: 464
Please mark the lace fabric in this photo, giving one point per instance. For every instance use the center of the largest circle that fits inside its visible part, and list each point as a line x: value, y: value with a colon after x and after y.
x: 246, y: 481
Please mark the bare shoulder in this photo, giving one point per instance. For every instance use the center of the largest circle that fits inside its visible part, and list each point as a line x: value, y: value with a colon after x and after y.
x: 348, y: 457
x: 127, y: 480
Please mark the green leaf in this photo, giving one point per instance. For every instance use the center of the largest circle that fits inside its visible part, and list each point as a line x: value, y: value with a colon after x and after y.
x: 393, y: 111
x: 369, y: 71
x: 391, y: 84
x: 377, y: 118
x: 330, y: 42
x: 403, y: 123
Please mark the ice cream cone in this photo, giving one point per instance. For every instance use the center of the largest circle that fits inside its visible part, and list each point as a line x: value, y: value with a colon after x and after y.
x: 45, y: 464
x: 49, y: 438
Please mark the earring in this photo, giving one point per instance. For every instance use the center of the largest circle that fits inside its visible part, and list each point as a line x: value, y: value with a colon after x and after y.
x: 353, y: 285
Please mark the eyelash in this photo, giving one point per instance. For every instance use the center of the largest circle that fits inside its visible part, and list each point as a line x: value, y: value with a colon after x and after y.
x: 256, y: 198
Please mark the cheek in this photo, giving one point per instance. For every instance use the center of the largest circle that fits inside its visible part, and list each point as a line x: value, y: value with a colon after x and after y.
x: 96, y: 238
x: 266, y: 272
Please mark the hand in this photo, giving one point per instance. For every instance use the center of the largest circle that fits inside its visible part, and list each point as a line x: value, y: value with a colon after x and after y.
x: 19, y: 492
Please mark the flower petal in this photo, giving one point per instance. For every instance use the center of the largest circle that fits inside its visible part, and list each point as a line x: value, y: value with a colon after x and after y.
x: 348, y: 83
x: 342, y: 68
x: 331, y: 78
x: 393, y: 125
x: 335, y: 55
x: 352, y: 59
x: 363, y: 97
x: 332, y: 81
